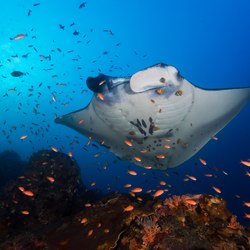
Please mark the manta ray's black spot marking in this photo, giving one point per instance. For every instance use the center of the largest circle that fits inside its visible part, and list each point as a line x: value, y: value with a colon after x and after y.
x: 133, y: 123
x: 142, y: 131
x: 144, y: 123
x: 138, y: 122
x: 151, y: 127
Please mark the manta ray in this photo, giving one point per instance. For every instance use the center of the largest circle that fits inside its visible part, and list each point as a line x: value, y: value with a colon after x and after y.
x: 155, y: 117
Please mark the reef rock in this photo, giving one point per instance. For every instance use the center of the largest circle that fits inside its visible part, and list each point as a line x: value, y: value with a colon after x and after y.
x: 47, y: 208
x: 11, y: 166
x: 180, y: 222
x: 47, y: 191
x: 187, y: 222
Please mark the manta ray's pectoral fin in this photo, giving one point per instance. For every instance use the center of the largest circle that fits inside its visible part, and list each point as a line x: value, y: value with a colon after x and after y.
x: 211, y: 111
x: 79, y: 120
x: 86, y: 122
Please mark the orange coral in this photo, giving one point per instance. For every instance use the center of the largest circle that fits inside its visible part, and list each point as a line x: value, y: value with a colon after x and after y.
x: 150, y: 229
x: 234, y: 224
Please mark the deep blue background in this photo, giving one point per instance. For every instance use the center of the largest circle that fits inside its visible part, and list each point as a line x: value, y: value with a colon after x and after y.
x: 208, y: 41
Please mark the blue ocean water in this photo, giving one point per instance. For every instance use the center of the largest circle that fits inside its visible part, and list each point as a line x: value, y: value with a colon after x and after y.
x: 208, y: 41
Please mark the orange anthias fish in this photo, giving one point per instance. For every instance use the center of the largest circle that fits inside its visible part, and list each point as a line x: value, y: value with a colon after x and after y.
x: 191, y: 202
x: 163, y: 183
x: 23, y: 137
x: 84, y: 220
x: 136, y: 190
x: 50, y: 179
x: 246, y: 163
x: 28, y: 193
x: 247, y: 216
x: 101, y: 96
x: 25, y: 212
x: 214, y: 137
x: 102, y: 82
x: 158, y: 193
x: 217, y: 190
x: 247, y: 204
x: 128, y: 142
x: 208, y: 175
x: 127, y: 185
x: 90, y: 232
x: 19, y: 36
x: 128, y: 208
x: 131, y: 172
x: 136, y: 158
x: 203, y: 162
x: 54, y: 149
x: 160, y: 156
x: 97, y: 154
x: 192, y: 177
x: 21, y: 189
x: 147, y: 167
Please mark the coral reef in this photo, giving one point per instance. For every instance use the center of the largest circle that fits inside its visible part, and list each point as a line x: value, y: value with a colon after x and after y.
x: 187, y: 222
x: 47, y: 191
x: 47, y: 208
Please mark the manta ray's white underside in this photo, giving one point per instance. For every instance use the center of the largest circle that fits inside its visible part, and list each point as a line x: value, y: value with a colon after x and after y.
x: 163, y: 117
